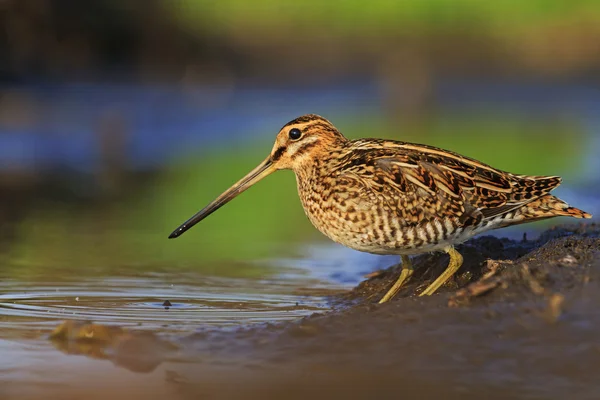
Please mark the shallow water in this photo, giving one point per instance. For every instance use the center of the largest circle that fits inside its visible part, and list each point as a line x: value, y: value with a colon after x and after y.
x: 165, y: 302
x: 139, y: 301
x: 31, y: 310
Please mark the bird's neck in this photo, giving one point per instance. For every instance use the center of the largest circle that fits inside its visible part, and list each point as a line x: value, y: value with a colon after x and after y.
x: 307, y: 171
x: 312, y: 169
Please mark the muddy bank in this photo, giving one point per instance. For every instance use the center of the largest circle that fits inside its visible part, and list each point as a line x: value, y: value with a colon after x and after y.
x: 490, y: 259
x: 521, y: 320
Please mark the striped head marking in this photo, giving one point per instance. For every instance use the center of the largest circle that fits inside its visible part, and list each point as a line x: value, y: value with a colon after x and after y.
x: 298, y: 142
x: 304, y: 139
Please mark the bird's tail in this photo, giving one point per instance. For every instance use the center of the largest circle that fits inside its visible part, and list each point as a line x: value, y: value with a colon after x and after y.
x: 551, y: 206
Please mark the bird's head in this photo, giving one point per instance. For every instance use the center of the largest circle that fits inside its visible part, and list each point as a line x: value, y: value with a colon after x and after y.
x: 301, y: 141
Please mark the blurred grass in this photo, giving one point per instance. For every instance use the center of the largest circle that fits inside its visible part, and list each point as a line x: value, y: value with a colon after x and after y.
x: 267, y: 221
x: 349, y: 17
x: 259, y: 223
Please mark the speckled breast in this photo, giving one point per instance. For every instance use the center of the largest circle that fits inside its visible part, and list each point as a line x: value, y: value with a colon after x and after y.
x: 364, y: 221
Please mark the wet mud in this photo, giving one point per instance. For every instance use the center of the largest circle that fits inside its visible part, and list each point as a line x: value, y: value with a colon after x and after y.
x: 520, y: 320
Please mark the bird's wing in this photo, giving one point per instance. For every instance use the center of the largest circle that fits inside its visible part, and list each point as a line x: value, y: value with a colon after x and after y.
x: 441, y: 182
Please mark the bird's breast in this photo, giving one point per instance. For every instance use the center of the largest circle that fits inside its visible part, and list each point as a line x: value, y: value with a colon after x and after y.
x: 363, y: 221
x: 350, y: 216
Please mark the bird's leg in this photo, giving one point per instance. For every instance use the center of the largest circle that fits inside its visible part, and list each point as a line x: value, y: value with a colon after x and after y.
x: 456, y: 261
x: 407, y: 271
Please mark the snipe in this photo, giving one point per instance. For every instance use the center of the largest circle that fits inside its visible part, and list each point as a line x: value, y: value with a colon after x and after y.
x: 389, y: 197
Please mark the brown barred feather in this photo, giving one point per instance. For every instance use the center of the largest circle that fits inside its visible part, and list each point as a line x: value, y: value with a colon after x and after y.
x: 405, y: 186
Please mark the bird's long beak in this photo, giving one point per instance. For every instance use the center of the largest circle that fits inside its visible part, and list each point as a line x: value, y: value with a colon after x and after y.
x: 264, y: 168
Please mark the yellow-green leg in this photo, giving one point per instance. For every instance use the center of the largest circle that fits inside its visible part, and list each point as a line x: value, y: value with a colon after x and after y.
x: 456, y: 261
x: 407, y: 271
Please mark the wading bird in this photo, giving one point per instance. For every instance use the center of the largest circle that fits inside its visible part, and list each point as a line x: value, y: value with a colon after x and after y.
x: 389, y: 197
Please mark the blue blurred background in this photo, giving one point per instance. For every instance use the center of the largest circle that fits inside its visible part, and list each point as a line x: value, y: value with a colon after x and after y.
x: 120, y: 119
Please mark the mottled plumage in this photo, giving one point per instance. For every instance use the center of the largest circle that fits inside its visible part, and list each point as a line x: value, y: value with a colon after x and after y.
x: 391, y: 197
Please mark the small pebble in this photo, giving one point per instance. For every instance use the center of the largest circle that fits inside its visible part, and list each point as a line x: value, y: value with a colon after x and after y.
x: 568, y: 261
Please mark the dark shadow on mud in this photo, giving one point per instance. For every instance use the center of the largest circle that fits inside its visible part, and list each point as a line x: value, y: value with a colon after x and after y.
x: 520, y: 320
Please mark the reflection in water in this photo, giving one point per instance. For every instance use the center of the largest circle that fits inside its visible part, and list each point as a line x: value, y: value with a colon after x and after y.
x: 136, y: 322
x: 138, y: 352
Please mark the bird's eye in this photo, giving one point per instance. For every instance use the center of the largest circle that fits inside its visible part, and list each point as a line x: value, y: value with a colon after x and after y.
x: 295, y: 134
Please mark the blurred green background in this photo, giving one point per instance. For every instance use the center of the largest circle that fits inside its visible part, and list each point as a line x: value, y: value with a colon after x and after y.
x: 120, y: 119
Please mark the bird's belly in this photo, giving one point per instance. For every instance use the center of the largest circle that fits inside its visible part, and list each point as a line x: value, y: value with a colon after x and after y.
x: 370, y: 225
x: 420, y: 238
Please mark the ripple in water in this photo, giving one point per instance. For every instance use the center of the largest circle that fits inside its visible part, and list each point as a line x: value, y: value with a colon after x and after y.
x: 151, y: 303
